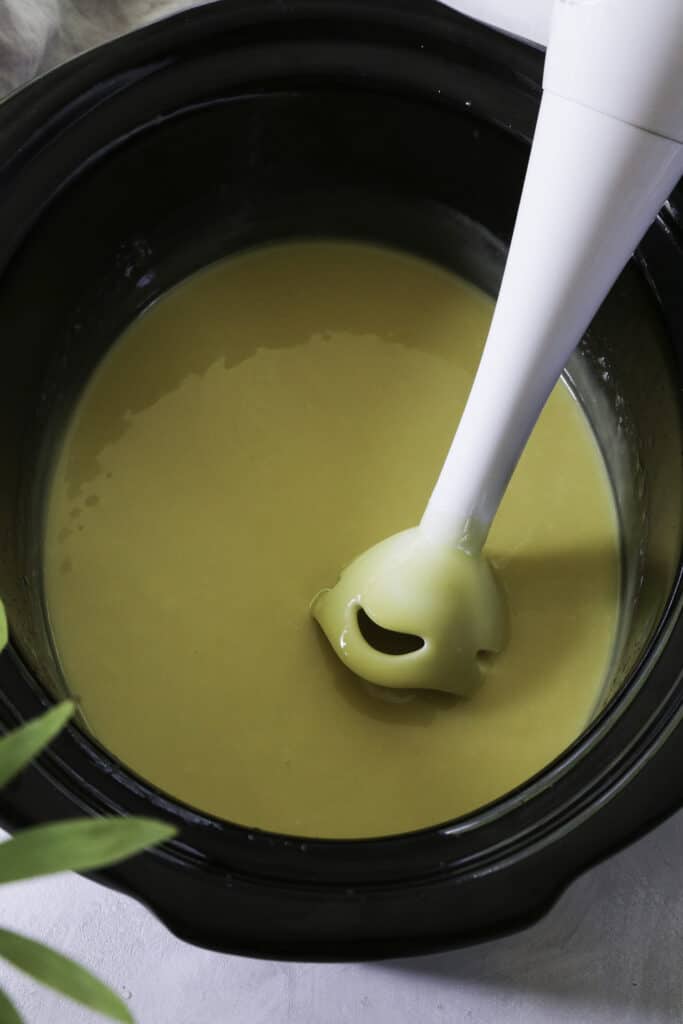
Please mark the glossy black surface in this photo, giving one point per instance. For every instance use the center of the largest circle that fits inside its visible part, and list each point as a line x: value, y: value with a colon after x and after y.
x: 400, y: 122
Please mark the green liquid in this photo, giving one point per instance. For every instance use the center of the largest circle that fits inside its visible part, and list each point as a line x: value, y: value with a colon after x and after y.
x: 249, y: 435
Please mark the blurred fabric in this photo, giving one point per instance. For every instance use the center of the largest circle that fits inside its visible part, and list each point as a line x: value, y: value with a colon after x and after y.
x: 37, y: 34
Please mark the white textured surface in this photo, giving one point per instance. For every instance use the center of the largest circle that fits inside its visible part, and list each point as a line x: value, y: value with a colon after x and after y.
x: 610, y: 952
x: 527, y: 19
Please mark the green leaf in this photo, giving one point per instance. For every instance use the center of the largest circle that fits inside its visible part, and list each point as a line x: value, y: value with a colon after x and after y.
x: 4, y: 632
x: 77, y: 845
x: 8, y: 1015
x: 21, y: 745
x: 62, y: 974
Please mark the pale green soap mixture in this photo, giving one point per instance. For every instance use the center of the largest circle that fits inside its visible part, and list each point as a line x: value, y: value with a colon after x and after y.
x: 260, y: 426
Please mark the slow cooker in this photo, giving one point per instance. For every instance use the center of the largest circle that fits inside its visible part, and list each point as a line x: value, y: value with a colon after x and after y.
x: 396, y: 121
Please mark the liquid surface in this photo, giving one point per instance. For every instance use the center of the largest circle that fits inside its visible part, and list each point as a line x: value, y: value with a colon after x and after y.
x: 251, y: 433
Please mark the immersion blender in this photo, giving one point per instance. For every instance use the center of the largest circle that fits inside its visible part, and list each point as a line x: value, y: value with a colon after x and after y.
x: 607, y: 151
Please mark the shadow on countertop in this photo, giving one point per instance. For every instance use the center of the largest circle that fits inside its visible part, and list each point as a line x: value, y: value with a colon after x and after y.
x: 613, y: 944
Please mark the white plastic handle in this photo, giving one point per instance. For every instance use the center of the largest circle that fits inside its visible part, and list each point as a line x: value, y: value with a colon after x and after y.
x: 594, y: 184
x: 621, y: 57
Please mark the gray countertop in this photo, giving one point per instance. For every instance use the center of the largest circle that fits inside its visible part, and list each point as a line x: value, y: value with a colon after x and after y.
x: 611, y: 950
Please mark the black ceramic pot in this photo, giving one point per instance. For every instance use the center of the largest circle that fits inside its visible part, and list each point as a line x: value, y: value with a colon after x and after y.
x: 393, y: 120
